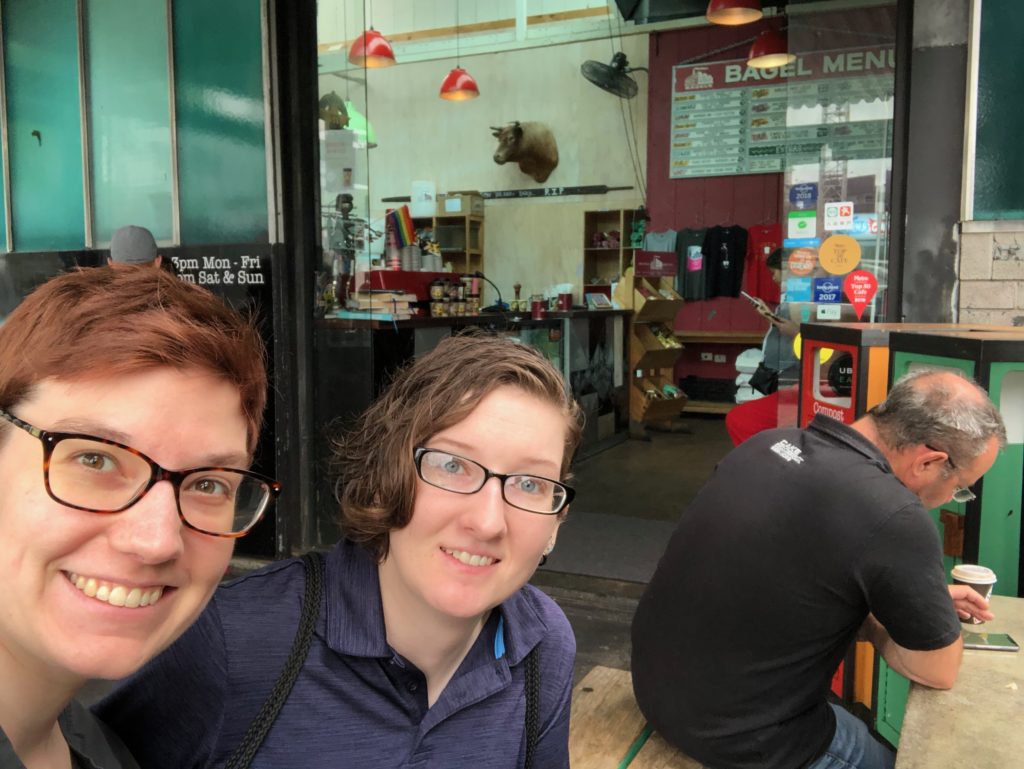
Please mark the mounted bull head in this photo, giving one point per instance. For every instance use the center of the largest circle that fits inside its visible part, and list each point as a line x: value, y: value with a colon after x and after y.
x: 530, y: 144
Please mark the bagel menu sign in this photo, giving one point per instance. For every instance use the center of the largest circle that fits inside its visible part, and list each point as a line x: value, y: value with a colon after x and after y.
x: 728, y: 118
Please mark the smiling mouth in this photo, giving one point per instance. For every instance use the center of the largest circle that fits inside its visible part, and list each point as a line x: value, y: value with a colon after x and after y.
x: 114, y: 594
x: 469, y: 559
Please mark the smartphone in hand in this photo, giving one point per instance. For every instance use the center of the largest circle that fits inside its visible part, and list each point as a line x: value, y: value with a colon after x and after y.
x: 761, y: 306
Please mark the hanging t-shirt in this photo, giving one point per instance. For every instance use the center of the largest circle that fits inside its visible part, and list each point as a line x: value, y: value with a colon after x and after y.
x: 660, y: 241
x: 725, y: 248
x: 690, y: 278
x: 762, y: 239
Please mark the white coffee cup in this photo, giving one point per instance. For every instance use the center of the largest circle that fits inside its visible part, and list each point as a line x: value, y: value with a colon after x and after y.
x: 980, y: 578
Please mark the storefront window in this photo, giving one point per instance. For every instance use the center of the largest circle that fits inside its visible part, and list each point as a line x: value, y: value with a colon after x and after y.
x: 346, y: 138
x: 837, y: 172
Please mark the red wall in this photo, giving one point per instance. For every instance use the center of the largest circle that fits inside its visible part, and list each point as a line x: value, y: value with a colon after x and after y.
x: 676, y: 203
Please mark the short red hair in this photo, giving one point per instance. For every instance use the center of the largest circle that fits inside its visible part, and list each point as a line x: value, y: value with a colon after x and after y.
x: 98, y: 322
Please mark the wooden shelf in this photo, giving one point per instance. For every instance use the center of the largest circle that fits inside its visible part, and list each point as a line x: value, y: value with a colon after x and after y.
x: 708, y: 407
x: 721, y: 337
x: 644, y: 409
x: 460, y: 237
x: 604, y: 261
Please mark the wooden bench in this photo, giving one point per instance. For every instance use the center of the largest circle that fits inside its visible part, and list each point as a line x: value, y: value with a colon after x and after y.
x: 607, y: 730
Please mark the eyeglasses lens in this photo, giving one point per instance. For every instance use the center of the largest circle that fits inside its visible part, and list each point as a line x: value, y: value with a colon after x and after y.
x: 96, y: 475
x: 454, y: 473
x: 101, y: 477
x: 963, y: 495
x: 538, y: 495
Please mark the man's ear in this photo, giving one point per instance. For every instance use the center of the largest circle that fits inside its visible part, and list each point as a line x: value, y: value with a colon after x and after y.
x: 925, y: 460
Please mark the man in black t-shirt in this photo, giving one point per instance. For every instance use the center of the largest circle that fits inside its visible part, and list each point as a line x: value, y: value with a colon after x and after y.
x: 801, y: 541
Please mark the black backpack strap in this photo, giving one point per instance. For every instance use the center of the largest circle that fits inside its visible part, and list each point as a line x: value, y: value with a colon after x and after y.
x: 532, y: 671
x: 258, y: 729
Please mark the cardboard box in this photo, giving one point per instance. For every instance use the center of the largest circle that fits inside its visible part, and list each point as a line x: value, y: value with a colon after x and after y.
x: 460, y: 204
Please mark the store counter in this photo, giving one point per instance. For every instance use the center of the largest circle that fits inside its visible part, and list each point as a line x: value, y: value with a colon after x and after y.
x: 575, y: 326
x: 979, y: 723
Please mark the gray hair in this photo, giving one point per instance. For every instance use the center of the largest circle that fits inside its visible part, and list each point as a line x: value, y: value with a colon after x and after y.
x: 926, y: 407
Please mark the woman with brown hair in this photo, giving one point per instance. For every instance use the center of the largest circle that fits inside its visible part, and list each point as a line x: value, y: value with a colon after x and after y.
x: 429, y: 648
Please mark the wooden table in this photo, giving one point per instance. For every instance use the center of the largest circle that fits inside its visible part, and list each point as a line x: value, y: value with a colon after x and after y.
x: 979, y: 723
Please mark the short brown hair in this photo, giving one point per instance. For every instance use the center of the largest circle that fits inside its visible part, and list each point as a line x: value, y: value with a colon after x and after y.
x: 98, y: 322
x: 374, y: 460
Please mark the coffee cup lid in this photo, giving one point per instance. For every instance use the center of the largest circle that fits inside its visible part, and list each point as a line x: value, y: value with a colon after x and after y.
x: 972, y: 573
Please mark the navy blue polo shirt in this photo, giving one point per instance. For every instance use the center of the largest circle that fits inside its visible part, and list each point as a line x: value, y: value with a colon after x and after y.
x: 356, y: 703
x: 92, y: 744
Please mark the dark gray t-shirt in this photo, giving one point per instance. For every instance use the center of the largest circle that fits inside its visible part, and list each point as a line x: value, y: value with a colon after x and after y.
x: 772, y: 570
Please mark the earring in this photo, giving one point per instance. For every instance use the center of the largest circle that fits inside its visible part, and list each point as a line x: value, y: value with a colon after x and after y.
x: 547, y: 551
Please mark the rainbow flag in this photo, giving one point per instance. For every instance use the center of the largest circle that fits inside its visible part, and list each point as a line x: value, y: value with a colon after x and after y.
x: 401, y: 224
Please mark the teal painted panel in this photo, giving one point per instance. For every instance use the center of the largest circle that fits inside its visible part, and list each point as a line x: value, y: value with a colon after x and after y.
x: 893, y: 690
x: 999, y: 540
x: 998, y: 162
x: 44, y: 124
x: 902, y: 361
x: 129, y: 117
x: 218, y: 74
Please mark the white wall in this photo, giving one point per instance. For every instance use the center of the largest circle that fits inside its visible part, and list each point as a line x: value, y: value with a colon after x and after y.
x: 420, y: 136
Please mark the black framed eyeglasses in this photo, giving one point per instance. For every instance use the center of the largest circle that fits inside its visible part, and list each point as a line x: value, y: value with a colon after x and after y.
x: 532, y: 493
x: 961, y: 494
x: 103, y: 476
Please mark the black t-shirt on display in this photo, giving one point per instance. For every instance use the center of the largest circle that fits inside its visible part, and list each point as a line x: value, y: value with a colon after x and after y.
x: 772, y: 570
x: 725, y: 249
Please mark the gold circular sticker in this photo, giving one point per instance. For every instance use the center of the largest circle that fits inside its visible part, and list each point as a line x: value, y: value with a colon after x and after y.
x: 802, y: 261
x: 824, y: 353
x: 839, y: 254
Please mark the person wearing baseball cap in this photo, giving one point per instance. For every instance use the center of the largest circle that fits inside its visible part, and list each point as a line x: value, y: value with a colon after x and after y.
x: 135, y: 246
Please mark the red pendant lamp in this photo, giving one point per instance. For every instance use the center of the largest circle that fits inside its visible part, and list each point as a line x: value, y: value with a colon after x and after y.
x: 459, y: 85
x: 770, y: 50
x: 371, y: 49
x: 733, y: 12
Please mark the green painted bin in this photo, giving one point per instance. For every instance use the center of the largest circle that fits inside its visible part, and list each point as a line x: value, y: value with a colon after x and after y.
x: 992, y: 526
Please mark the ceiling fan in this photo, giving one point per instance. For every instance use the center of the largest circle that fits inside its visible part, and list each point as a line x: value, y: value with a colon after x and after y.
x: 614, y: 77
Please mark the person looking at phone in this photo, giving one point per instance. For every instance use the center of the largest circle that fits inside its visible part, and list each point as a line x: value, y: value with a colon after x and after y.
x: 130, y: 406
x: 750, y: 418
x: 802, y: 540
x: 452, y: 490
